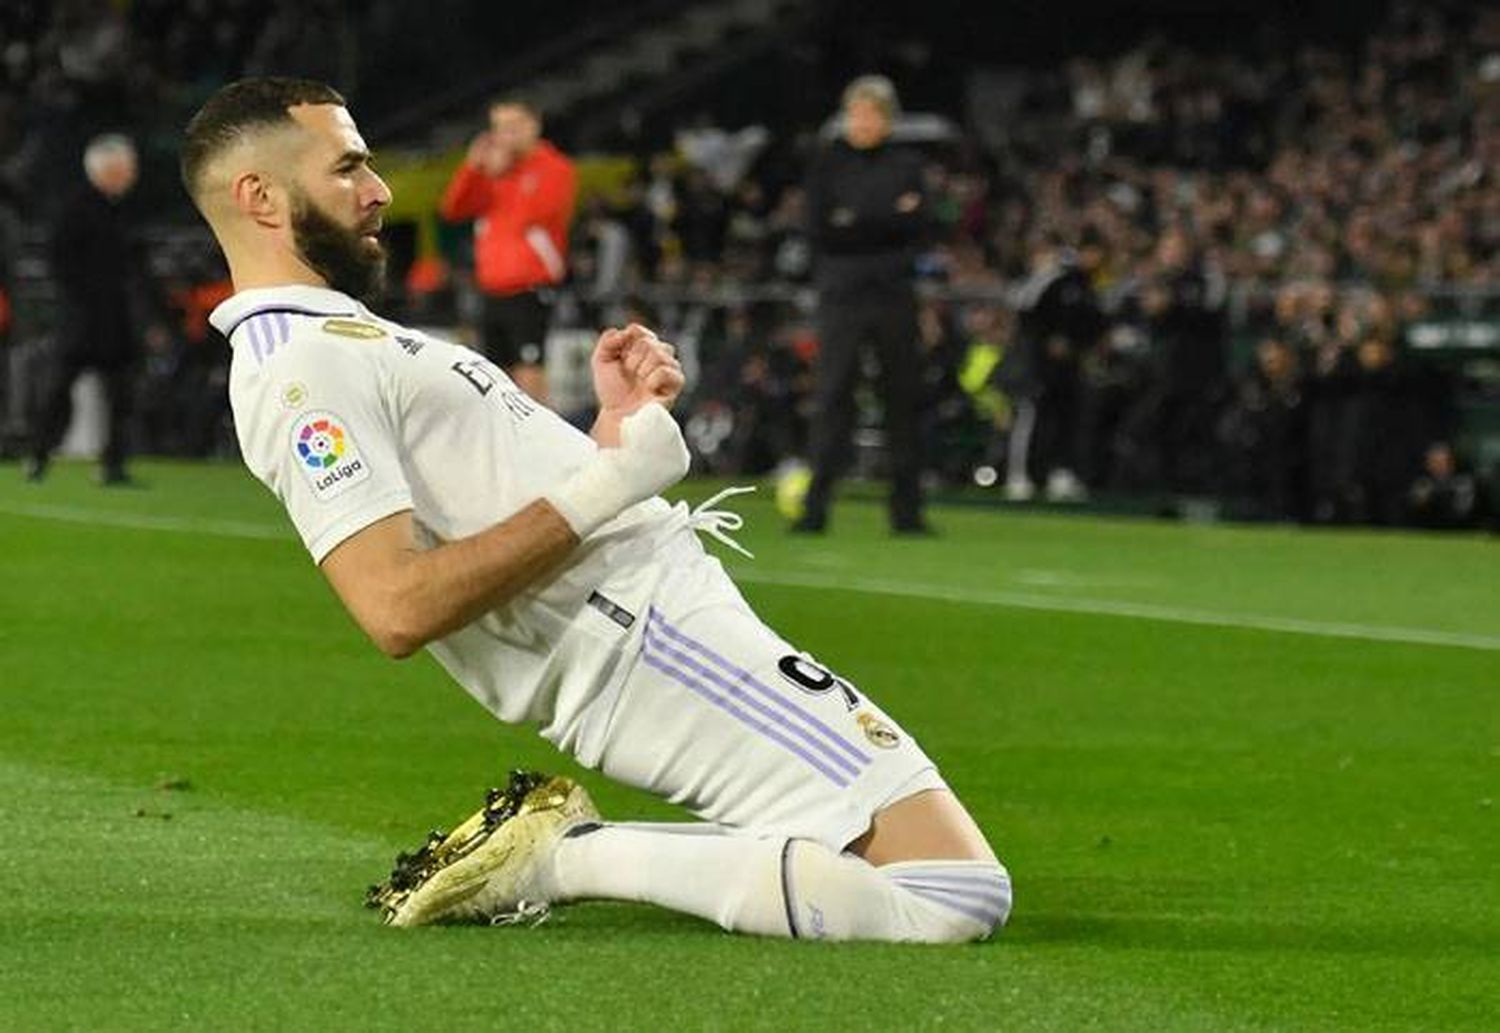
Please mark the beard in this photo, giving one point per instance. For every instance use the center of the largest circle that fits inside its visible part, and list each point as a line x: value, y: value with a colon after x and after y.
x: 343, y: 257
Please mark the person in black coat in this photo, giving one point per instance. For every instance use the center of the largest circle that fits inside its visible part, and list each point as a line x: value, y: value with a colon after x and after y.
x: 1264, y: 434
x: 98, y: 270
x: 1396, y: 409
x: 1444, y: 495
x: 1182, y: 302
x: 866, y: 215
x: 1059, y: 324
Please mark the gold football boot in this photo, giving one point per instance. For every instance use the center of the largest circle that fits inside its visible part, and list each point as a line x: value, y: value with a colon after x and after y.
x: 486, y: 869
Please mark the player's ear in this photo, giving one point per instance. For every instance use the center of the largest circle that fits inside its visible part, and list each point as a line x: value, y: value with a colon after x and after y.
x: 258, y: 199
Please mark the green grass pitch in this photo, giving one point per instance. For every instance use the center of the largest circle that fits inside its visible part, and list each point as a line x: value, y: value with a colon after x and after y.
x: 1244, y: 779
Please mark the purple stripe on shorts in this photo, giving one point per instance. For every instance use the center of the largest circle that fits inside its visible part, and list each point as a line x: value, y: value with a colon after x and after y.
x: 657, y: 645
x: 755, y: 683
x: 747, y: 719
x: 989, y: 916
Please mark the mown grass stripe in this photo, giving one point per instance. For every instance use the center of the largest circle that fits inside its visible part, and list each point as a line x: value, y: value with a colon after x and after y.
x: 868, y: 586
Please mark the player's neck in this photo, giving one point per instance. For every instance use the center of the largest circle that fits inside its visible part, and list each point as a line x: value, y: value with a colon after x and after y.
x: 251, y: 273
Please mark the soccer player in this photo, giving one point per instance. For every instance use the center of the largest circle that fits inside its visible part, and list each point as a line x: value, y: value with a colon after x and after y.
x: 539, y: 566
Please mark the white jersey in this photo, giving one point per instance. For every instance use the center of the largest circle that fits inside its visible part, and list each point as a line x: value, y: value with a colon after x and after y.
x: 349, y: 418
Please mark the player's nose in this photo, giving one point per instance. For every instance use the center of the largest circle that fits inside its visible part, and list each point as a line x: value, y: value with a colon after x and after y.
x: 378, y: 195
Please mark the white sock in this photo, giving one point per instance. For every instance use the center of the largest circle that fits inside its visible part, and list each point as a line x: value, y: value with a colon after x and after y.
x: 779, y: 887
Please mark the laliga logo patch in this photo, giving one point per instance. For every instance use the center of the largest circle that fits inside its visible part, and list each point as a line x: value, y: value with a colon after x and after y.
x: 326, y: 453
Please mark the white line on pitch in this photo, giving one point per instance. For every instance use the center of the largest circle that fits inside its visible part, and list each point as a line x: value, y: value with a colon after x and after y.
x: 869, y: 586
x: 1114, y: 608
x: 147, y: 521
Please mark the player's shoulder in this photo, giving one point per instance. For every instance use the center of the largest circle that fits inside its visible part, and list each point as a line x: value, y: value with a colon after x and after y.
x: 325, y: 347
x: 309, y: 354
x: 302, y: 338
x: 261, y: 323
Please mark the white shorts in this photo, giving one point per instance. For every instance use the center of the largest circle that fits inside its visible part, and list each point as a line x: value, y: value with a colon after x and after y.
x: 718, y: 713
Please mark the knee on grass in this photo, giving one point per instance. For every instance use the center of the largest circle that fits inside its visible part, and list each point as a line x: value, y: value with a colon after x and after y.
x: 842, y: 897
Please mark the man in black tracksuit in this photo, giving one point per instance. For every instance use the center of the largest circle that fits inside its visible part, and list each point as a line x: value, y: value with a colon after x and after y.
x: 1059, y: 324
x: 866, y: 215
x: 1183, y: 306
x: 97, y: 264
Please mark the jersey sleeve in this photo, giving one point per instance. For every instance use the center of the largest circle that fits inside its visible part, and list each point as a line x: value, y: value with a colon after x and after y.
x: 319, y: 428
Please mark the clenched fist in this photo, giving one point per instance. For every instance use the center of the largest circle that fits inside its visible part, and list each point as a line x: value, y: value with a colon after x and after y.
x: 632, y: 367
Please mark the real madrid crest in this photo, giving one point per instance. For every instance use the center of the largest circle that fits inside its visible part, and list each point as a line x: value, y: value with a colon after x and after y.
x: 877, y: 731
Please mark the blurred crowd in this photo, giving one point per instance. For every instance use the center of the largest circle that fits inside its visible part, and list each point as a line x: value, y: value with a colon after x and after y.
x: 1244, y: 242
x: 1163, y: 272
x: 73, y: 68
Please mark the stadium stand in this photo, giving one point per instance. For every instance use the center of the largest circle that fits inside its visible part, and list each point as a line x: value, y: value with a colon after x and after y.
x: 1291, y: 247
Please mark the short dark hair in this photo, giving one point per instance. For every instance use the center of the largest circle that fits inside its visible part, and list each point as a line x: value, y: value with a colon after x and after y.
x: 511, y: 100
x: 239, y: 108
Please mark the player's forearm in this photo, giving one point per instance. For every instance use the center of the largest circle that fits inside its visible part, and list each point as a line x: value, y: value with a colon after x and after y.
x: 405, y: 597
x: 441, y: 590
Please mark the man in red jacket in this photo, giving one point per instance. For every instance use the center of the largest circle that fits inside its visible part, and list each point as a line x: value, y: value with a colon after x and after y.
x: 519, y: 190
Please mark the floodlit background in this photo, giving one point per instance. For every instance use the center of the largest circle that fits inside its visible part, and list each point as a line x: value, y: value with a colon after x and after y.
x: 1239, y: 749
x: 1288, y: 221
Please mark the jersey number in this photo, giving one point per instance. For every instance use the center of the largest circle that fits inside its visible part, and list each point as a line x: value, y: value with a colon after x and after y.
x: 815, y: 679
